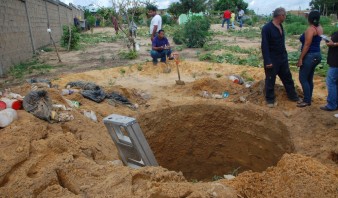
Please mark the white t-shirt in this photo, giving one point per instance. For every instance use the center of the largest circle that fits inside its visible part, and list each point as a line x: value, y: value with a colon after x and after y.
x: 241, y: 13
x: 157, y: 20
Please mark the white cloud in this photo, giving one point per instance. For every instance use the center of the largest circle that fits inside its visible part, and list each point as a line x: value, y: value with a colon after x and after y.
x: 267, y: 6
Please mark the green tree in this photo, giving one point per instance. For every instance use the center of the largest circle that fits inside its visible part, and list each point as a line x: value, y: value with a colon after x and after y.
x: 326, y: 7
x: 175, y: 9
x: 184, y: 6
x: 222, y: 5
x: 194, y: 5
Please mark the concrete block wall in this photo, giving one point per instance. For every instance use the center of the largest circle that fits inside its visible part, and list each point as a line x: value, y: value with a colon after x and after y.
x: 16, y: 40
x: 15, y: 43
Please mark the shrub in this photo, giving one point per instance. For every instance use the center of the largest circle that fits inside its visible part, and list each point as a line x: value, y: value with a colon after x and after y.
x: 195, y: 31
x: 295, y: 28
x: 167, y: 20
x: 178, y: 36
x: 75, y: 38
x: 329, y: 29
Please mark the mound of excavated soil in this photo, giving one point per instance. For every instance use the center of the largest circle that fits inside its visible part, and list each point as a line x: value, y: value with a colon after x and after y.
x: 294, y: 176
x: 78, y: 158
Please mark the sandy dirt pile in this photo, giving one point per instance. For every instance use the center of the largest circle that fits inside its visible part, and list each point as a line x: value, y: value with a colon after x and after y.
x: 288, y: 179
x: 78, y: 158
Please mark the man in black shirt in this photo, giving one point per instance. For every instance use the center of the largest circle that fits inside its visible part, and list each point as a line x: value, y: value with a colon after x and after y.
x: 332, y: 74
x: 276, y: 58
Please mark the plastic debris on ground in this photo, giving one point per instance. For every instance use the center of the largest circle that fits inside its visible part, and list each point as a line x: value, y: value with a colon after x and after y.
x: 40, y: 82
x: 89, y: 90
x: 7, y: 116
x: 61, y: 116
x: 73, y: 103
x: 90, y: 114
x: 38, y: 104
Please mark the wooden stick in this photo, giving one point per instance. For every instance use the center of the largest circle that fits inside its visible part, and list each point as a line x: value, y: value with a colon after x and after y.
x: 70, y: 37
x: 51, y: 38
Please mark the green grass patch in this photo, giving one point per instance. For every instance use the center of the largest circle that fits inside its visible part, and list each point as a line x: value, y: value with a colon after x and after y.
x: 96, y: 38
x: 249, y: 33
x: 128, y: 54
x: 20, y: 70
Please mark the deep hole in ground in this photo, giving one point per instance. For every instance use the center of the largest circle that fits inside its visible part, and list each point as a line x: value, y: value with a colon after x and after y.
x: 204, y: 141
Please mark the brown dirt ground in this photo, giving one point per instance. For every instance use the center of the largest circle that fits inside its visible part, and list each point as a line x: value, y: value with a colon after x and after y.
x: 280, y: 152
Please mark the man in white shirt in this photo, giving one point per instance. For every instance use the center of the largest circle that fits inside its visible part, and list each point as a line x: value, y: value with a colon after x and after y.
x: 240, y: 17
x: 156, y: 21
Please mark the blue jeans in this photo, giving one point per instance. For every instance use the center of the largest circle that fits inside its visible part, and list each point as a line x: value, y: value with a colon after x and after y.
x: 332, y: 88
x: 228, y: 23
x: 162, y: 54
x: 306, y: 72
x: 240, y: 22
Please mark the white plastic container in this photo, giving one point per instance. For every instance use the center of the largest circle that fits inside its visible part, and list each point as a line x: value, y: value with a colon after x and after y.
x: 12, y: 103
x: 7, y: 116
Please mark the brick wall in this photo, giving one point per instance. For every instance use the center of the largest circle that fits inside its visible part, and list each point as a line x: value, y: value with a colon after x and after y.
x: 16, y: 40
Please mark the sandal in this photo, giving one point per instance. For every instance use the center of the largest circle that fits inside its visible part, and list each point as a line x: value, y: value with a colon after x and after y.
x: 303, y: 104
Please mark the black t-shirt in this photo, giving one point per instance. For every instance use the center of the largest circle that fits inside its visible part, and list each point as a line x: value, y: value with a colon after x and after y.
x: 332, y: 56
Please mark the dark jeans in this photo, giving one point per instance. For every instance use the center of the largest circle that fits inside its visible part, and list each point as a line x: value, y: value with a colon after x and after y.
x: 228, y: 23
x: 163, y: 55
x: 306, y: 72
x: 281, y: 68
x: 240, y: 22
x: 332, y: 88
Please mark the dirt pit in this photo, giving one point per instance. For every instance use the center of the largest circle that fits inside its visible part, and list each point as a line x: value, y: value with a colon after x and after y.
x: 206, y: 141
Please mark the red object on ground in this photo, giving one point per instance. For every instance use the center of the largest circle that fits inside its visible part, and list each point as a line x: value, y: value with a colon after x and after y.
x: 17, y: 104
x: 2, y: 105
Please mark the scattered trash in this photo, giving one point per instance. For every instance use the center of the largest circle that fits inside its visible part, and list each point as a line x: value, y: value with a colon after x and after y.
x: 242, y: 99
x: 336, y: 115
x: 38, y: 104
x: 116, y: 97
x: 248, y: 84
x: 205, y: 94
x: 217, y: 96
x: 68, y: 91
x: 12, y: 103
x: 73, y: 103
x: 10, y: 95
x: 40, y: 82
x: 7, y: 116
x: 61, y: 116
x: 236, y: 79
x: 111, y: 102
x: 90, y: 90
x: 60, y: 107
x: 2, y: 105
x: 229, y: 177
x: 226, y: 94
x: 91, y: 115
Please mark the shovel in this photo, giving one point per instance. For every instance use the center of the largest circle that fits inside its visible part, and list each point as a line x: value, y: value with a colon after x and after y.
x: 179, y: 81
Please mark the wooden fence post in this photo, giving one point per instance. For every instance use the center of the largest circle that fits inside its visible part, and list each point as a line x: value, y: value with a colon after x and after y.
x: 30, y: 27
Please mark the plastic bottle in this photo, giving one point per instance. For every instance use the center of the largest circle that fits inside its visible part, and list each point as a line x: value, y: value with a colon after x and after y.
x: 7, y: 116
x: 12, y: 103
x: 234, y: 79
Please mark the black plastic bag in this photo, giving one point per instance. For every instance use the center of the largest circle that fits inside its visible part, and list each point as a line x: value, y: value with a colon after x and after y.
x: 90, y: 90
x: 38, y: 104
x: 119, y: 98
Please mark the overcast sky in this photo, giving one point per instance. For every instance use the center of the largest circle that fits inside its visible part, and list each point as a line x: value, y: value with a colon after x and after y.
x: 259, y: 6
